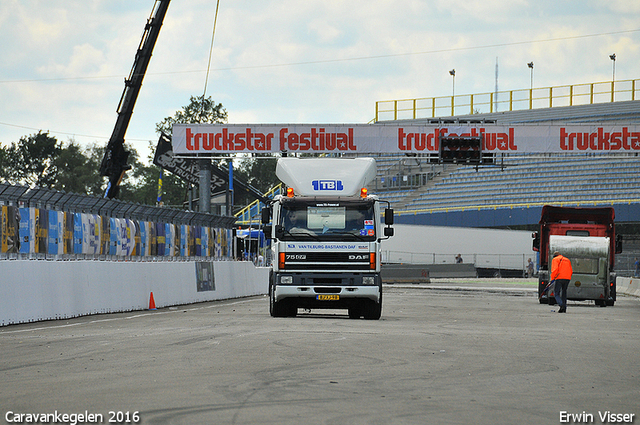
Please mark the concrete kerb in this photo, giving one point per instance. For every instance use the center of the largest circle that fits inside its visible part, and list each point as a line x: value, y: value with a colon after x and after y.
x: 524, y: 287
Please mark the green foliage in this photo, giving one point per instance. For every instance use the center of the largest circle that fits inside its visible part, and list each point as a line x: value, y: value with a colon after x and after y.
x: 259, y: 171
x: 77, y: 170
x: 199, y: 110
x: 41, y: 160
x: 173, y: 188
x: 31, y: 161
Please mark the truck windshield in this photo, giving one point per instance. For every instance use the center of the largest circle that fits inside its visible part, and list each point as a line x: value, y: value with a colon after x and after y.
x: 328, y: 221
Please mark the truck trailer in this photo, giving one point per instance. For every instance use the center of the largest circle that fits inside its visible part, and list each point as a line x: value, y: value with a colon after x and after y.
x: 325, y: 237
x: 587, y: 237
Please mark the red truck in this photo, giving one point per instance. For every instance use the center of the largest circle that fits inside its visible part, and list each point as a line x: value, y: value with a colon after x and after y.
x: 588, y: 238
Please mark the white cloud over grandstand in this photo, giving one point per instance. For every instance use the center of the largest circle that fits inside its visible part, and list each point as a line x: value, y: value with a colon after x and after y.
x: 290, y: 61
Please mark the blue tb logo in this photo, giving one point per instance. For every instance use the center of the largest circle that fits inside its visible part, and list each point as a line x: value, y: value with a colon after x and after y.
x: 327, y: 185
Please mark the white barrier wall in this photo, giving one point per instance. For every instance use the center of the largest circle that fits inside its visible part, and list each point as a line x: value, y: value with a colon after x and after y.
x: 628, y: 286
x: 43, y: 290
x: 495, y: 248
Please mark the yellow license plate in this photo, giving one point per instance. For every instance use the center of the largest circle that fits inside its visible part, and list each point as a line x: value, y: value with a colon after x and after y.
x: 328, y: 297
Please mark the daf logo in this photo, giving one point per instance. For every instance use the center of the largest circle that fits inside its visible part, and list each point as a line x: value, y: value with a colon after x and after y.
x: 357, y: 257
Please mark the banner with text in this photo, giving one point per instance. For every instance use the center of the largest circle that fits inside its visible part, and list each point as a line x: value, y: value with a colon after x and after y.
x: 212, y: 139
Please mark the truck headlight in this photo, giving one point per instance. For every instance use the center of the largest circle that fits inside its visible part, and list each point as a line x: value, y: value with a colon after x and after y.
x: 368, y: 280
x: 286, y: 280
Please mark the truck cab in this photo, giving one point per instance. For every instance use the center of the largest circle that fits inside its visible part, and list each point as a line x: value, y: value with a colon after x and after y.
x: 587, y: 237
x: 326, y: 235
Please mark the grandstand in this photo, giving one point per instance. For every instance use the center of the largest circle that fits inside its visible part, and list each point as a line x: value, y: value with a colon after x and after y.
x: 521, y: 180
x: 510, y: 193
x: 449, y: 194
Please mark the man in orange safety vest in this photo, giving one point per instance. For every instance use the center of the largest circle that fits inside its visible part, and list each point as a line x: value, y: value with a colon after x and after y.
x: 561, y: 272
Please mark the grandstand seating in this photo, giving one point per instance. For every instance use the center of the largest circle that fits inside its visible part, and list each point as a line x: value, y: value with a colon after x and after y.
x: 520, y: 179
x: 526, y: 180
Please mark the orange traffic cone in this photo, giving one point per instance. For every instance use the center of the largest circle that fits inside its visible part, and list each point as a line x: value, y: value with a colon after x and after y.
x: 152, y: 303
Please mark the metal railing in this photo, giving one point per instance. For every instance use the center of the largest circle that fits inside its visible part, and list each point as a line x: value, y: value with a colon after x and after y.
x: 543, y: 97
x: 480, y: 260
x: 24, y: 196
x: 246, y: 214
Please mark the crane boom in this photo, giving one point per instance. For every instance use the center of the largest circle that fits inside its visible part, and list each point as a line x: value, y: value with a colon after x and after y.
x: 114, y: 163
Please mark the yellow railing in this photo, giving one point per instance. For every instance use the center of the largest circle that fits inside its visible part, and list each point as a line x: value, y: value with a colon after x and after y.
x: 517, y: 205
x: 544, y: 97
x: 245, y: 215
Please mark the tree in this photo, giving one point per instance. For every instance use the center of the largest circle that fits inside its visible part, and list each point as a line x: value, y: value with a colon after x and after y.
x: 260, y: 171
x: 77, y: 170
x: 199, y: 110
x: 31, y: 161
x: 173, y: 191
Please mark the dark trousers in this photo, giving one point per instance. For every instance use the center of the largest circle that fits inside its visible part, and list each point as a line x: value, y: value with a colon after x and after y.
x: 561, y: 292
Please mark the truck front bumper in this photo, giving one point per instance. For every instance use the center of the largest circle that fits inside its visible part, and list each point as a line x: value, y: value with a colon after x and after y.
x: 329, y: 290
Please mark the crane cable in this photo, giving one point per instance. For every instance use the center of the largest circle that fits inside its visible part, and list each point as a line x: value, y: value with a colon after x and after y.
x: 206, y: 79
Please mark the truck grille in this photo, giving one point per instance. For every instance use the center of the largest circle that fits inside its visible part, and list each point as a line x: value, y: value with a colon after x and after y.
x: 327, y: 261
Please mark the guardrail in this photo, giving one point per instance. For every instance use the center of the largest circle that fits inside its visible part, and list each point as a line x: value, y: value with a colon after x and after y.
x: 245, y: 215
x: 480, y: 260
x: 607, y: 202
x: 542, y: 97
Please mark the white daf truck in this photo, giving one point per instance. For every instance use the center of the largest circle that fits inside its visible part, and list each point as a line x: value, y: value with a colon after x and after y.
x: 326, y: 233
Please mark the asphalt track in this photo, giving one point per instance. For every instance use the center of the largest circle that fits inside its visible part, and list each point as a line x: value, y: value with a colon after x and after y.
x: 449, y: 352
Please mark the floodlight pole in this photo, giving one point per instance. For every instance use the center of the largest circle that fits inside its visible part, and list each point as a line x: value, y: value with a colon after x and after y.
x: 453, y: 91
x: 613, y: 58
x: 613, y: 76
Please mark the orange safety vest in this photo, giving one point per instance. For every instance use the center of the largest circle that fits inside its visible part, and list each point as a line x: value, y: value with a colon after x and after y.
x: 561, y: 268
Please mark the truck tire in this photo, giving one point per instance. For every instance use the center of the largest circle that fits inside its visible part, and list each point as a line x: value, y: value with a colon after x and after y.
x: 276, y: 309
x: 543, y: 280
x: 355, y: 312
x: 612, y: 289
x: 372, y: 310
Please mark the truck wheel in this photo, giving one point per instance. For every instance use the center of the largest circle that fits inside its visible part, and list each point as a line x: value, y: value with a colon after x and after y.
x: 291, y: 308
x: 276, y: 309
x: 354, y: 312
x: 372, y: 310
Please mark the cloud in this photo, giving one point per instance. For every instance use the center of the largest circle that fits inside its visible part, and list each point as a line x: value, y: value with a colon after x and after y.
x: 288, y: 60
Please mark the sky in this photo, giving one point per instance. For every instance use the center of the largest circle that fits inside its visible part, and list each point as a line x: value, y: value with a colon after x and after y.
x: 63, y: 62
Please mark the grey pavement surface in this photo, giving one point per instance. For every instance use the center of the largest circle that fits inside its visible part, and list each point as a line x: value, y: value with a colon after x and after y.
x: 449, y: 352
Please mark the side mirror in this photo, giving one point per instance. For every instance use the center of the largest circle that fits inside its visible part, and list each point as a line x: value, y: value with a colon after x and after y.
x: 388, y: 231
x: 388, y: 216
x: 266, y: 215
x: 536, y: 241
x: 267, y: 231
x: 279, y: 231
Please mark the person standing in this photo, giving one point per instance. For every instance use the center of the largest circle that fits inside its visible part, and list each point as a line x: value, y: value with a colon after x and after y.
x: 561, y: 272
